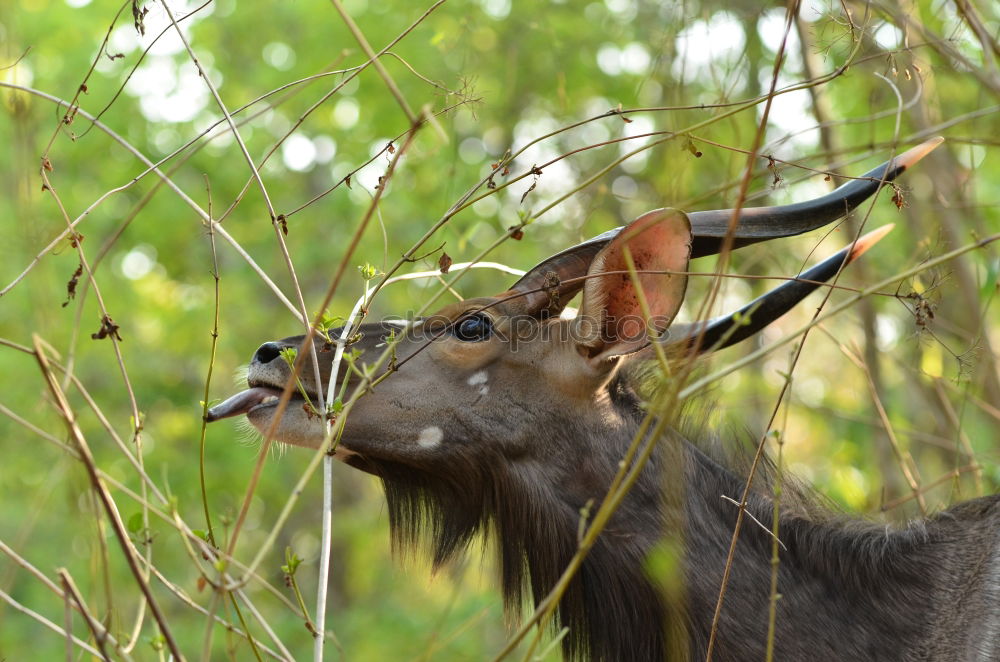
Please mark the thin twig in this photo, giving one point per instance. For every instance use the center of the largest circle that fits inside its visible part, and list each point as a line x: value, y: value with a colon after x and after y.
x: 100, y: 634
x: 359, y: 36
x: 151, y: 167
x: 770, y: 533
x: 47, y: 623
x: 109, y: 506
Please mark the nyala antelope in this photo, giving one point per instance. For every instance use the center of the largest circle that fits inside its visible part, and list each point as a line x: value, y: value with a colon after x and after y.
x: 476, y: 433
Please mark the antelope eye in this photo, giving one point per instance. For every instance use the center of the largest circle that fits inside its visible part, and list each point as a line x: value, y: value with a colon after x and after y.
x: 474, y: 328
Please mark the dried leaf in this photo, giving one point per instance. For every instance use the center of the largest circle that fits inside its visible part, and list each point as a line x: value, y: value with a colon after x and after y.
x: 536, y: 171
x: 773, y: 167
x: 898, y: 199
x: 689, y: 146
x: 108, y: 329
x: 71, y: 285
x: 516, y: 233
x: 530, y: 189
x: 923, y: 310
x: 444, y: 262
x: 138, y: 14
x: 618, y: 111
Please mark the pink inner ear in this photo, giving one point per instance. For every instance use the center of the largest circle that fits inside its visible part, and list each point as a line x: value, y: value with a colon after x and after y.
x: 657, y: 241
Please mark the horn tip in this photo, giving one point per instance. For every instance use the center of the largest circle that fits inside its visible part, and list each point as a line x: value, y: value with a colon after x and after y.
x: 867, y: 241
x: 908, y: 158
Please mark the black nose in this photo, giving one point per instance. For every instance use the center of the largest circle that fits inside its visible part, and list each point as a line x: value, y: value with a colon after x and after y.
x: 267, y: 353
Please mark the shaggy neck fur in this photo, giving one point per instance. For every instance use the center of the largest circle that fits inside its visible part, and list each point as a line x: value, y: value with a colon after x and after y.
x: 849, y: 590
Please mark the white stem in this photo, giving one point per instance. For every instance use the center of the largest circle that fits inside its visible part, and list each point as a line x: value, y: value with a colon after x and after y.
x: 326, y: 517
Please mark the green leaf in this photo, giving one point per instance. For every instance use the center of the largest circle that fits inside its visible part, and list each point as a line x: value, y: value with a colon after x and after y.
x: 135, y: 523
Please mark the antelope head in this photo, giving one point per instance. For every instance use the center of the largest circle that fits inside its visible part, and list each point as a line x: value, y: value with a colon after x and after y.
x: 483, y: 372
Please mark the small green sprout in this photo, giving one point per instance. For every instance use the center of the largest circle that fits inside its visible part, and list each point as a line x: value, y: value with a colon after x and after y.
x: 289, y: 354
x: 327, y: 323
x: 292, y: 562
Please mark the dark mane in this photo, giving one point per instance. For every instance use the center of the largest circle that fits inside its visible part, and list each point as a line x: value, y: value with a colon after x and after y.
x: 533, y: 531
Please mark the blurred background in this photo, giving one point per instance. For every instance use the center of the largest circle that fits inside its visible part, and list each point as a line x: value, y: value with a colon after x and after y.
x: 893, y: 406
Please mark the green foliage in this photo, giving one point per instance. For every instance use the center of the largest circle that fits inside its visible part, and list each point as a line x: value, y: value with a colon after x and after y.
x: 494, y: 75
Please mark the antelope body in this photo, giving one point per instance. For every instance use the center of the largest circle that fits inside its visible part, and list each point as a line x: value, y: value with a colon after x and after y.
x: 475, y: 432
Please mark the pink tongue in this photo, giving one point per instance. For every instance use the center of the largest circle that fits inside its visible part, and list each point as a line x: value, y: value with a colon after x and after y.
x: 240, y: 403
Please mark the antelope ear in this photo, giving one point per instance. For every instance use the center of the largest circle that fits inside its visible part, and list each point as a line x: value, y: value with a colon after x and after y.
x: 611, y: 320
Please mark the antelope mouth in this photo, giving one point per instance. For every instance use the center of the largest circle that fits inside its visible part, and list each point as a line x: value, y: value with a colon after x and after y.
x: 254, y: 399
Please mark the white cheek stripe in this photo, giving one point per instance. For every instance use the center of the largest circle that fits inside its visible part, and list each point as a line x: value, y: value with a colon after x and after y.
x: 430, y: 437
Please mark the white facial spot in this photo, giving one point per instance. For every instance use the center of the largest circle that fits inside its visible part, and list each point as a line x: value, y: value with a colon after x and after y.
x: 430, y: 437
x: 480, y: 379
